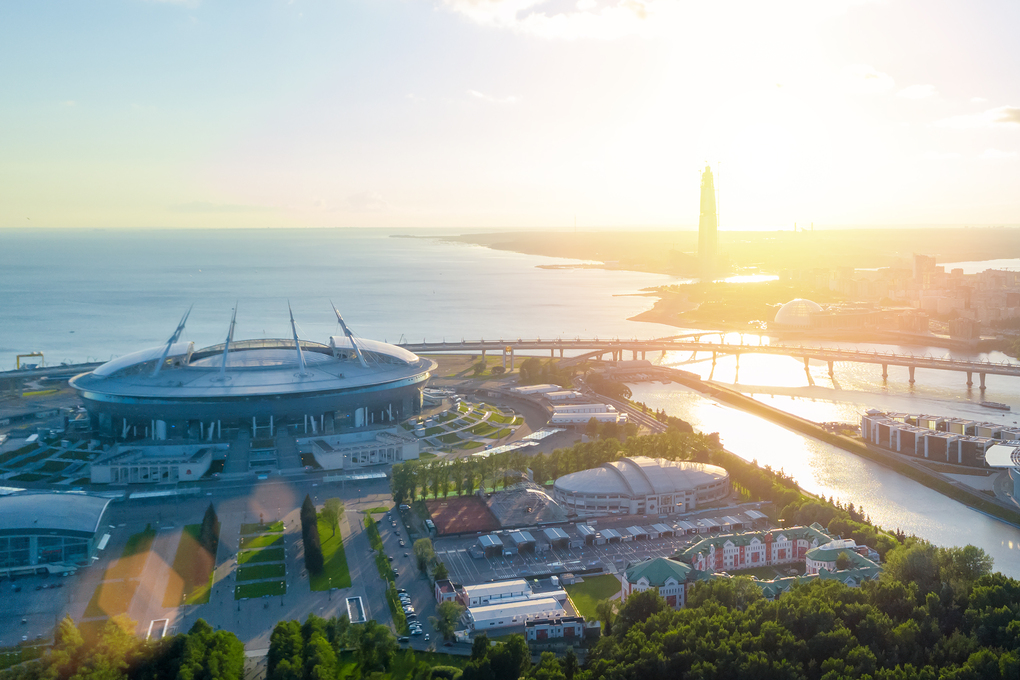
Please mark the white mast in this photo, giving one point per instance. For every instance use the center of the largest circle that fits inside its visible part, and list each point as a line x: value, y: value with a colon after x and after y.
x: 350, y: 336
x: 297, y: 344
x: 169, y: 343
x: 226, y: 344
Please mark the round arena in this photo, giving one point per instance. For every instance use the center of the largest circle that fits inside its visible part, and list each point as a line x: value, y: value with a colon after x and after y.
x: 262, y: 386
x: 641, y: 486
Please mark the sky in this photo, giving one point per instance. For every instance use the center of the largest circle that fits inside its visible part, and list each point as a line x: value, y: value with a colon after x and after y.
x: 532, y: 114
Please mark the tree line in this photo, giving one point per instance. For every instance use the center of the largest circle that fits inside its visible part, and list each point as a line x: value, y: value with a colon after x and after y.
x: 443, y: 477
x: 934, y: 613
x: 114, y: 652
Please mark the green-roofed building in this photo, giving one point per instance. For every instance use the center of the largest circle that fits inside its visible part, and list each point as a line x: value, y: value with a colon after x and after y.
x: 668, y: 577
x: 733, y: 552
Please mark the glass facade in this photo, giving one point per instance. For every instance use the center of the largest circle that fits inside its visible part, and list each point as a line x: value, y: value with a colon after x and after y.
x: 18, y: 551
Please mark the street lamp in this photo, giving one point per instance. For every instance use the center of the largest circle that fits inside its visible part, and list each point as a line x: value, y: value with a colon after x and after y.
x: 330, y: 588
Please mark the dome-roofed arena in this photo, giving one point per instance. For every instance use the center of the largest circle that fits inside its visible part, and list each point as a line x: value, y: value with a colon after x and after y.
x: 178, y: 392
x: 641, y: 486
x: 797, y: 313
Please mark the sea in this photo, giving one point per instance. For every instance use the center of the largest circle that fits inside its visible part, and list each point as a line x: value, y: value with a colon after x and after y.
x: 91, y: 295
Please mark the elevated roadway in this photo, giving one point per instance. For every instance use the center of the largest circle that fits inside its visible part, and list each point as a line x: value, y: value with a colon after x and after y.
x: 615, y: 347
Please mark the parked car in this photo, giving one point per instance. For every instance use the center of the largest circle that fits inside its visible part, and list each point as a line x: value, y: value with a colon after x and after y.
x: 403, y: 638
x: 426, y: 637
x: 401, y: 590
x: 416, y: 631
x: 401, y: 543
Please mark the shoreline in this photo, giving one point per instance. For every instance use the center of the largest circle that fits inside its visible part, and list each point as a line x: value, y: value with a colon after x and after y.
x: 936, y: 481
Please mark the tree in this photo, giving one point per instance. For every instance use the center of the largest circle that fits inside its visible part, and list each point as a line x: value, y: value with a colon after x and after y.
x: 637, y: 608
x: 843, y: 561
x: 333, y: 512
x: 424, y: 553
x: 510, y: 659
x: 439, y: 572
x: 375, y: 647
x: 605, y: 610
x: 570, y: 665
x: 592, y: 428
x: 209, y: 533
x: 480, y: 647
x: 446, y: 618
x: 310, y: 537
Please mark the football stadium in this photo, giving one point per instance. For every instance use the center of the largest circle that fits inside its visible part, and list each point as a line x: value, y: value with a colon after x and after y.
x: 175, y: 391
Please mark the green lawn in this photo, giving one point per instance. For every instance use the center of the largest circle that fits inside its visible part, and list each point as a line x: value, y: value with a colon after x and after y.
x: 77, y: 455
x: 594, y: 589
x: 132, y: 560
x: 402, y: 667
x: 334, y: 559
x: 505, y: 432
x: 52, y: 466
x: 28, y: 477
x: 260, y: 589
x: 482, y: 430
x: 257, y: 528
x: 426, y: 454
x: 501, y: 419
x: 263, y: 541
x: 764, y: 573
x: 11, y: 455
x: 111, y: 598
x: 435, y: 429
x: 256, y: 556
x: 378, y: 510
x: 191, y: 578
x: 450, y: 438
x: 258, y: 572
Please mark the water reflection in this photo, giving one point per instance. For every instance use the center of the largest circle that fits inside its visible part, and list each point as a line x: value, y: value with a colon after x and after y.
x: 890, y: 499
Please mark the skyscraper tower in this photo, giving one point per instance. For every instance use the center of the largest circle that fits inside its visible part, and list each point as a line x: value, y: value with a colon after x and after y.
x: 708, y: 224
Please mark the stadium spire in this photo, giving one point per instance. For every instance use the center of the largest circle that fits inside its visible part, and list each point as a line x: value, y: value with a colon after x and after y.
x: 297, y: 343
x: 169, y: 343
x: 350, y: 336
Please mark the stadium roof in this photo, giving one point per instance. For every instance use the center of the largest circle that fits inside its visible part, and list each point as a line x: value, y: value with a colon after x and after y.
x: 641, y: 476
x: 38, y: 512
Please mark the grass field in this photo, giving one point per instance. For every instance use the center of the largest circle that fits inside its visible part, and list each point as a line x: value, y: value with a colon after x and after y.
x: 132, y: 559
x: 426, y: 454
x: 264, y: 555
x: 191, y: 578
x: 482, y: 430
x: 764, y: 573
x: 402, y: 667
x: 334, y: 560
x: 111, y: 598
x: 450, y: 438
x: 11, y: 455
x: 263, y: 541
x: 28, y: 477
x: 260, y: 589
x: 258, y: 572
x: 378, y: 510
x: 594, y: 589
x: 256, y: 528
x: 75, y: 454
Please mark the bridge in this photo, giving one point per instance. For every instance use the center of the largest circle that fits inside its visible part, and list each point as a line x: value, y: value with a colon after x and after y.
x: 694, y: 343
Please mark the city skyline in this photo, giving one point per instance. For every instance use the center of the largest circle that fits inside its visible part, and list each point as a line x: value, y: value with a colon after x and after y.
x: 507, y: 114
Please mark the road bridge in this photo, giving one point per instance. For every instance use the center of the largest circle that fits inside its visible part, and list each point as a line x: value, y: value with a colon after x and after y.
x: 616, y: 347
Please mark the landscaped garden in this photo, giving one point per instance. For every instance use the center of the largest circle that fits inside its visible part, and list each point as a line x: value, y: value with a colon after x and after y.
x: 259, y: 572
x: 260, y: 589
x: 191, y: 577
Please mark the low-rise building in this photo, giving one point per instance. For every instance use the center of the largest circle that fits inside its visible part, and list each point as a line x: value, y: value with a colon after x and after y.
x: 152, y: 463
x: 445, y: 591
x: 507, y: 614
x: 668, y: 577
x: 565, y: 627
x: 490, y: 593
x: 357, y: 449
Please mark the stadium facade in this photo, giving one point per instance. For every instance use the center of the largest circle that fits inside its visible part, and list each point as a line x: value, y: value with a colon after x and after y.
x: 178, y: 392
x: 641, y: 486
x: 51, y: 532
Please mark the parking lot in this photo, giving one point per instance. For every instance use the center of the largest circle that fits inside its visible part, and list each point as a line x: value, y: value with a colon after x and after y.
x: 468, y: 569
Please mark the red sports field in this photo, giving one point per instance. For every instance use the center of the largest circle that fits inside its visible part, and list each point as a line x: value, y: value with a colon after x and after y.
x: 461, y: 514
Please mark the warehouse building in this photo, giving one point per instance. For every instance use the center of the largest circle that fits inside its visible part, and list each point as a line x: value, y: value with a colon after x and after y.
x: 507, y: 614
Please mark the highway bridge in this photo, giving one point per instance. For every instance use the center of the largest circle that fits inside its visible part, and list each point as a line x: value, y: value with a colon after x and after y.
x: 616, y: 347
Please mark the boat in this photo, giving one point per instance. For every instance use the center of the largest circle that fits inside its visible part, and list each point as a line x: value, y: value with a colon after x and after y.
x: 996, y: 405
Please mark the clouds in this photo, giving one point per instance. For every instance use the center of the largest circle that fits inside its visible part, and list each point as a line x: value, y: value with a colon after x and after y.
x: 475, y: 94
x: 586, y: 19
x: 864, y: 79
x: 917, y: 92
x: 998, y: 155
x: 999, y: 117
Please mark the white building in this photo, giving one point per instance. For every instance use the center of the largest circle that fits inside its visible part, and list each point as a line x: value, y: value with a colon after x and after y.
x: 357, y: 449
x: 639, y: 486
x: 154, y: 463
x: 490, y: 593
x: 508, y: 614
x: 537, y: 389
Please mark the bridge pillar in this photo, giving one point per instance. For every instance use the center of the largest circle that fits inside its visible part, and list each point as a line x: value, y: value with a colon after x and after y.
x: 642, y: 355
x: 981, y: 376
x: 552, y: 353
x: 911, y: 381
x: 970, y: 381
x: 713, y: 359
x: 511, y: 358
x: 483, y: 353
x: 504, y: 358
x: 561, y: 352
x: 633, y: 354
x: 885, y: 372
x: 830, y: 369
